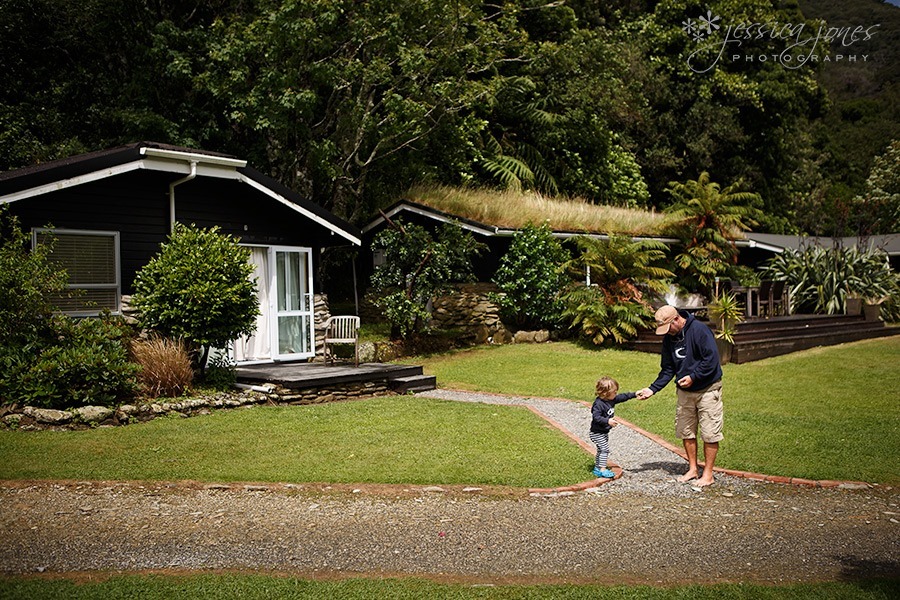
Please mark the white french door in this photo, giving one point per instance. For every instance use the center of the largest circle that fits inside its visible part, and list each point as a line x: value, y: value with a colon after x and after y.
x: 293, y: 303
x: 284, y: 328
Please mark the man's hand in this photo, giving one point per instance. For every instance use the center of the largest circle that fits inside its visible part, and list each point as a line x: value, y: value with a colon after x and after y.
x: 685, y: 382
x: 644, y: 394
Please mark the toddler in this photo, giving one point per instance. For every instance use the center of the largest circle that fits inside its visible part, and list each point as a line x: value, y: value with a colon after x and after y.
x: 602, y: 413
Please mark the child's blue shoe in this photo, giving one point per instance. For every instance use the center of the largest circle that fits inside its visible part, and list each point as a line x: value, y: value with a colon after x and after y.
x: 604, y: 473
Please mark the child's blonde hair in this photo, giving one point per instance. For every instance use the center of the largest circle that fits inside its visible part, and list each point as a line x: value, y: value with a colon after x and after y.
x: 606, y: 385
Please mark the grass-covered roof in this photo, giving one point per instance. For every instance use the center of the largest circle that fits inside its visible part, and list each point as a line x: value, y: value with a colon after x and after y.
x: 515, y: 209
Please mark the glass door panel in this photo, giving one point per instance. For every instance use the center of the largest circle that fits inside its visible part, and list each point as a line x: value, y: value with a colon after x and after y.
x: 294, y: 303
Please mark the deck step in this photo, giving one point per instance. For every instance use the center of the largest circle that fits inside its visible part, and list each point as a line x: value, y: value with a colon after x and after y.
x: 413, y: 383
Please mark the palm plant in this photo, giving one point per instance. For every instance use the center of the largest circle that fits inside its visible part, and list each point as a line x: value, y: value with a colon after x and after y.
x: 709, y: 219
x: 618, y: 273
x: 726, y: 312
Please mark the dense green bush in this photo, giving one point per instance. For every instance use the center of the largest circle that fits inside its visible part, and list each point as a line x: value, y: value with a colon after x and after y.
x: 198, y: 288
x: 27, y: 283
x: 821, y: 280
x: 86, y: 364
x: 48, y: 359
x: 416, y: 267
x: 531, y: 278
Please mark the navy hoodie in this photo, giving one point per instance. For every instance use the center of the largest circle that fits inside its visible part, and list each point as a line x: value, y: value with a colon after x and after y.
x: 691, y: 352
x: 604, y: 410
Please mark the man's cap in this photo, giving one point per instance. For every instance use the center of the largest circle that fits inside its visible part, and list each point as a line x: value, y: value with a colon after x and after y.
x: 664, y: 317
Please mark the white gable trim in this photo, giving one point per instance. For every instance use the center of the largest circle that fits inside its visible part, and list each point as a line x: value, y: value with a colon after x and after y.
x: 299, y: 209
x: 487, y: 230
x: 67, y: 183
x: 157, y: 160
x: 180, y: 162
x: 189, y: 157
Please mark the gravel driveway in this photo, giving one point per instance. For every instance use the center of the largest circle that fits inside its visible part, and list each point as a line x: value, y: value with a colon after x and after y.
x: 643, y: 527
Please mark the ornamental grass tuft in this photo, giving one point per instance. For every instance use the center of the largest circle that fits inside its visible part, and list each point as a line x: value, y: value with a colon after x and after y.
x: 165, y: 366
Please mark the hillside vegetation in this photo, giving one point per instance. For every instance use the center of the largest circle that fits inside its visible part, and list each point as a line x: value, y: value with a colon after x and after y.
x: 352, y: 103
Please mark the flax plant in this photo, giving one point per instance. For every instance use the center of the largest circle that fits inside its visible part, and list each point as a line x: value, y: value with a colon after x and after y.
x: 822, y: 279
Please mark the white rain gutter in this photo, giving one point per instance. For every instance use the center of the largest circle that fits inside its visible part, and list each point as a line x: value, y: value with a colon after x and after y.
x: 172, y: 185
x: 193, y: 158
x: 748, y: 243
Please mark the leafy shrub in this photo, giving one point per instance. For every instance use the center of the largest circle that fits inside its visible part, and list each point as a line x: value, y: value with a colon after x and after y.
x: 198, y: 288
x: 27, y: 283
x: 416, y: 267
x: 531, y: 278
x: 87, y: 364
x: 48, y: 359
x: 821, y: 279
x: 165, y: 366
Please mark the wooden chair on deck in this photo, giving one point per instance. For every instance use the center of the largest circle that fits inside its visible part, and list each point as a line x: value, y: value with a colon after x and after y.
x: 770, y: 297
x: 342, y: 330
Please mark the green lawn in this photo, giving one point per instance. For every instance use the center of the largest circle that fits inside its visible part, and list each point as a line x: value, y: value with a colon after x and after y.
x: 398, y: 439
x: 825, y: 413
x: 263, y: 587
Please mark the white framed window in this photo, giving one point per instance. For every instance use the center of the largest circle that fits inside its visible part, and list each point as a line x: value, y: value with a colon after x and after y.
x: 91, y: 258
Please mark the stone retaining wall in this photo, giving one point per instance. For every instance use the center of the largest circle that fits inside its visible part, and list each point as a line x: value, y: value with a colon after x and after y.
x: 469, y: 308
x: 31, y: 418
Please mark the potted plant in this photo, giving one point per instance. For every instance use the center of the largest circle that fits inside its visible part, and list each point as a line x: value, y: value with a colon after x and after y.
x: 871, y: 307
x: 853, y: 304
x: 725, y: 312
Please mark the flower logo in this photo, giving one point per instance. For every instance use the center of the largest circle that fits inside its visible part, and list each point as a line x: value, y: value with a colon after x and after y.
x: 710, y: 21
x: 703, y: 26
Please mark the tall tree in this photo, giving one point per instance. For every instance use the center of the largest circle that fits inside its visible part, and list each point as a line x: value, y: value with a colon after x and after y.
x: 94, y: 74
x: 740, y: 119
x: 877, y: 209
x: 350, y: 101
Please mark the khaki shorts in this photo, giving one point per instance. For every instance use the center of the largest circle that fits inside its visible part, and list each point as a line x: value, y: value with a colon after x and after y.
x: 703, y: 408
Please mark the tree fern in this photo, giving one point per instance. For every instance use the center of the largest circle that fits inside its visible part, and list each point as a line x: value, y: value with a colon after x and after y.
x: 624, y: 274
x: 709, y: 219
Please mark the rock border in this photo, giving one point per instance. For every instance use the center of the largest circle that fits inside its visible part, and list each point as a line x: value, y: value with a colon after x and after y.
x: 31, y: 418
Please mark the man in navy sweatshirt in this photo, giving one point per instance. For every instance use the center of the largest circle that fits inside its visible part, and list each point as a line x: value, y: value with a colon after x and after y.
x: 690, y: 356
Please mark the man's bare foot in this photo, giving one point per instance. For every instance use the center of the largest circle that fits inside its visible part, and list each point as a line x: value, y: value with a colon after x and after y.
x: 687, y: 477
x: 704, y: 481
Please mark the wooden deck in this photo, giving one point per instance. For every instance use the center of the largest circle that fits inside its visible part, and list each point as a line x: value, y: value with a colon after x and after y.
x: 299, y: 375
x: 758, y: 338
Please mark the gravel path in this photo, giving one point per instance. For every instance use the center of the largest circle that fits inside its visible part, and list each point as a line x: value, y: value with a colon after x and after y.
x: 642, y: 528
x: 649, y: 468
